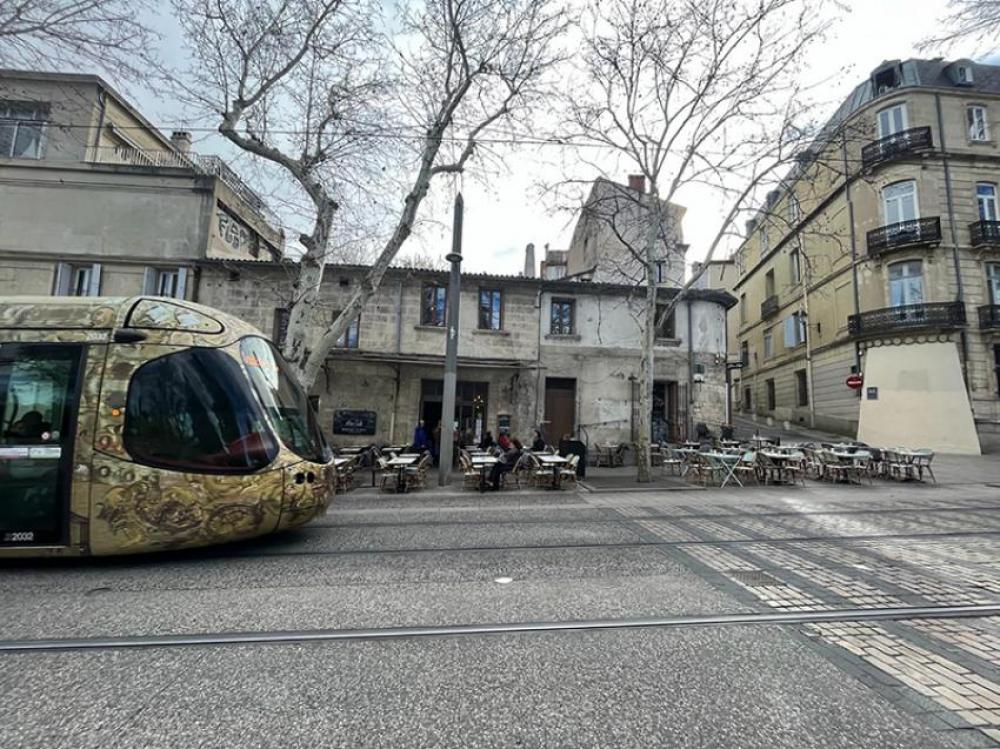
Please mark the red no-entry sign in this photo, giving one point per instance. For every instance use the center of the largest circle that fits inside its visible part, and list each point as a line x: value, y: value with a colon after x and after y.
x: 855, y: 381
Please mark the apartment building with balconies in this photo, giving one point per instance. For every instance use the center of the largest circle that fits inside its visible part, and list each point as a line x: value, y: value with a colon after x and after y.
x: 96, y: 201
x: 880, y: 254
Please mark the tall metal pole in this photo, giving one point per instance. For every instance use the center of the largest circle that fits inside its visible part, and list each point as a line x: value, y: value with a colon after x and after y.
x: 451, y: 351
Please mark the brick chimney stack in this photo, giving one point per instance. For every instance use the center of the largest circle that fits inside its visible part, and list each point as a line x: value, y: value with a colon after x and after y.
x: 529, y: 260
x: 637, y: 182
x: 181, y: 140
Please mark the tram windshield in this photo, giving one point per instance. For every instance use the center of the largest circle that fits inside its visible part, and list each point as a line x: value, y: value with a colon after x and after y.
x: 192, y: 410
x: 284, y: 400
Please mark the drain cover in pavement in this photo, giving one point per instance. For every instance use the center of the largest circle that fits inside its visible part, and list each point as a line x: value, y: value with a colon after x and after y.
x: 755, y: 579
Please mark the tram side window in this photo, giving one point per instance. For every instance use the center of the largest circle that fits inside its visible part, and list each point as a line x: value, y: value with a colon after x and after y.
x: 193, y: 411
x: 284, y: 401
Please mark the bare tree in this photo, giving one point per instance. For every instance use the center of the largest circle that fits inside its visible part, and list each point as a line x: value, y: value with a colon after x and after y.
x: 52, y: 34
x: 320, y: 89
x: 687, y: 93
x: 975, y: 22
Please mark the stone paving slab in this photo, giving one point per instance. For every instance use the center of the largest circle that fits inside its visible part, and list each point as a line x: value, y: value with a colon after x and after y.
x: 744, y: 687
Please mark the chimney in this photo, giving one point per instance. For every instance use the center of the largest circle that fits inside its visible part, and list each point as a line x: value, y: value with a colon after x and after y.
x: 181, y: 140
x: 529, y: 261
x: 637, y: 182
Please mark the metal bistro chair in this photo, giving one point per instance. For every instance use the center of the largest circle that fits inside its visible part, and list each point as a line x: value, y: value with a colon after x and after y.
x: 922, y: 462
x: 771, y: 471
x: 897, y: 466
x: 470, y: 476
x: 833, y: 469
x: 540, y: 475
x: 706, y: 469
x: 522, y: 471
x: 672, y: 461
x: 416, y: 475
x: 387, y: 478
x: 812, y: 465
x: 345, y: 475
x: 747, y: 468
x: 567, y: 475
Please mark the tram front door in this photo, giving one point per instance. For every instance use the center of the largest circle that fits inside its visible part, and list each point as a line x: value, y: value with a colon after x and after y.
x: 39, y: 390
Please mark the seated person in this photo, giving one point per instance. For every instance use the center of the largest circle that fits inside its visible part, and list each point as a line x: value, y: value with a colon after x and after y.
x: 506, y: 463
x: 538, y: 444
x: 487, y: 441
x: 504, y: 442
x: 31, y: 426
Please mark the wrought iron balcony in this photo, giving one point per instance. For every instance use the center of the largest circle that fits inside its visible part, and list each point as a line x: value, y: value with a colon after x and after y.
x: 906, y: 317
x: 989, y: 317
x: 896, y: 145
x: 769, y: 307
x: 918, y: 231
x: 985, y: 233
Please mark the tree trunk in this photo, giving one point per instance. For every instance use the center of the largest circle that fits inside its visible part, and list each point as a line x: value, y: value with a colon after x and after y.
x: 306, y: 291
x: 647, y: 362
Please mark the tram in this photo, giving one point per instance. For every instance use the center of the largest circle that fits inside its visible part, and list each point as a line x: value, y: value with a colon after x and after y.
x: 143, y: 424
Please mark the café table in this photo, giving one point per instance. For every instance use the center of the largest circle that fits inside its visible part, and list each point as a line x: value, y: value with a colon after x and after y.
x: 729, y: 461
x: 556, y: 463
x: 401, y: 463
x: 483, y: 463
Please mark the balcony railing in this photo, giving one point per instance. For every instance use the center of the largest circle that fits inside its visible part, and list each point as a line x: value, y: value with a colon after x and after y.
x: 769, y: 307
x: 142, y: 157
x: 907, y: 317
x: 989, y: 317
x: 207, y: 165
x: 896, y: 145
x: 918, y: 231
x: 985, y: 233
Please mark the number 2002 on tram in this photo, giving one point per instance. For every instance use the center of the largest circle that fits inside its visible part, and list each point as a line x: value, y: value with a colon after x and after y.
x: 143, y: 424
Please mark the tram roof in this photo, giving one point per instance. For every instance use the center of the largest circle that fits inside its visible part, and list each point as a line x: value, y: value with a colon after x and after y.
x: 155, y: 316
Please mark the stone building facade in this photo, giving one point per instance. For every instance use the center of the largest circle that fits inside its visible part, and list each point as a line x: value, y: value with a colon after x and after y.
x: 89, y: 181
x: 613, y: 229
x: 562, y: 355
x: 880, y: 255
x: 97, y: 202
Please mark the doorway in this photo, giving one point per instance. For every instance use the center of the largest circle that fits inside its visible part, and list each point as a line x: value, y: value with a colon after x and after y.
x: 665, y: 416
x: 560, y: 408
x: 470, y: 408
x: 39, y: 393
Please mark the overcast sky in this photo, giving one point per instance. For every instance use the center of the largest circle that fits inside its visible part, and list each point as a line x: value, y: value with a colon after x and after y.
x: 504, y: 214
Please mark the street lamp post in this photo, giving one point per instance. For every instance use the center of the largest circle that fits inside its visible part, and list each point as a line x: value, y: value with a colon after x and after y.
x: 451, y: 349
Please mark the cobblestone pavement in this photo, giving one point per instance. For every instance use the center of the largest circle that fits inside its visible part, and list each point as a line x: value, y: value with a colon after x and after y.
x: 443, y: 558
x: 881, y: 551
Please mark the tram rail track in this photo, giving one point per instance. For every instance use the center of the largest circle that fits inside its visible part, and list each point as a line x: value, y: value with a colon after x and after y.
x: 619, y: 544
x: 264, y: 637
x: 347, y: 523
x: 339, y: 513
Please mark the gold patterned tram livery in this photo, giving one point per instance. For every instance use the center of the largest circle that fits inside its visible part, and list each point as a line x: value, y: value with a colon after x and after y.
x: 140, y: 424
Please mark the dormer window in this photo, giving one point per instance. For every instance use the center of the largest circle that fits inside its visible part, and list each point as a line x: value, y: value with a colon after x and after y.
x: 885, y: 80
x: 960, y: 72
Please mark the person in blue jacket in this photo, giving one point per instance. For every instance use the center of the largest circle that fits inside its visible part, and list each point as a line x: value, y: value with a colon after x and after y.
x: 421, y: 438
